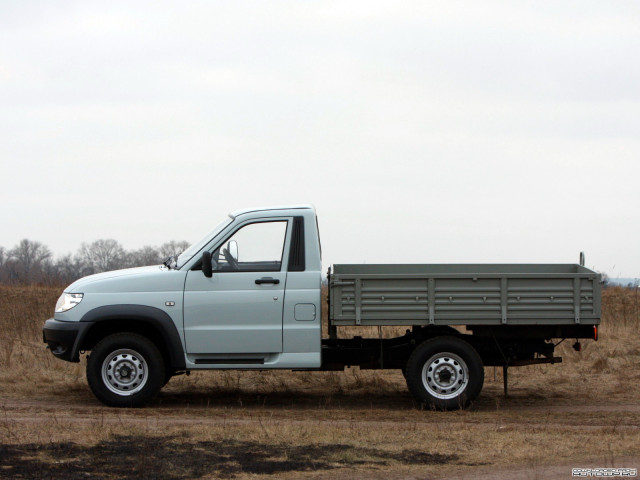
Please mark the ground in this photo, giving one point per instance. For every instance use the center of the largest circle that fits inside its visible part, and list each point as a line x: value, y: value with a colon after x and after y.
x: 355, y: 424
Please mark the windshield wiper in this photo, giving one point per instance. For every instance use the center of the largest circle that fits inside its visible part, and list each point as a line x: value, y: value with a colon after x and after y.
x: 168, y: 261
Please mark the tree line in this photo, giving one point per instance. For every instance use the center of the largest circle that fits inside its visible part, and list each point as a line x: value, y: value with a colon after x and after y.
x: 33, y: 262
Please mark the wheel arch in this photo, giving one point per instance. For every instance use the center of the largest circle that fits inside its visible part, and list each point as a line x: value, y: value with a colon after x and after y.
x: 430, y: 331
x: 486, y: 347
x: 150, y: 322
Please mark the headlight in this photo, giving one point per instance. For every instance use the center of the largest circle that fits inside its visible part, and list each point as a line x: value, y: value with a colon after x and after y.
x: 67, y: 301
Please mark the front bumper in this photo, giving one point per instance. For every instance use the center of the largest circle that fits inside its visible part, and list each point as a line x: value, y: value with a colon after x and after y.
x: 63, y: 338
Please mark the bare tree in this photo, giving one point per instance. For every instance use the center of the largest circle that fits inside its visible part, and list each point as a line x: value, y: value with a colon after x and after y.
x: 173, y: 248
x: 27, y: 260
x: 69, y: 268
x: 30, y: 261
x: 103, y: 255
x: 146, y: 255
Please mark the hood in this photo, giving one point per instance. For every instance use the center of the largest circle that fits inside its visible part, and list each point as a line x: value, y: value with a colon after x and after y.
x: 142, y: 279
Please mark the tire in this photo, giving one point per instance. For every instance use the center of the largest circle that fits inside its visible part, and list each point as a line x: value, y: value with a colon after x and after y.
x: 125, y: 370
x: 444, y: 373
x: 168, y: 375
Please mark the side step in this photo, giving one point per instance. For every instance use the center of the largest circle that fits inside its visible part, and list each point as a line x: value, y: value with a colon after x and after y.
x: 230, y: 361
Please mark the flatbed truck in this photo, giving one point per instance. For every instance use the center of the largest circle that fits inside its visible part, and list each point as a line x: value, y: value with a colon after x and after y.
x: 248, y: 296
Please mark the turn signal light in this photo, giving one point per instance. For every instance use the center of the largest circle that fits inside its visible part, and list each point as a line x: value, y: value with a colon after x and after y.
x: 595, y: 332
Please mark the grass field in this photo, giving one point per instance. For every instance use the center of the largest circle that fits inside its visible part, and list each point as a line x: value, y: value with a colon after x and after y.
x: 352, y: 424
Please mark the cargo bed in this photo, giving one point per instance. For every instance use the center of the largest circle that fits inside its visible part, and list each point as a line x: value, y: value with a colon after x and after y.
x: 463, y: 294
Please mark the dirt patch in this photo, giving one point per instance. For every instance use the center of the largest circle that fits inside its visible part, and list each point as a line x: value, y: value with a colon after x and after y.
x: 174, y: 458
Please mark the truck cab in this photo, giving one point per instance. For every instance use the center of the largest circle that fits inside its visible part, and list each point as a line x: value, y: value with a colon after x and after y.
x: 245, y: 296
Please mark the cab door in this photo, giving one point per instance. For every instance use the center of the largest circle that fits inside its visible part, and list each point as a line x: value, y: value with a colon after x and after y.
x: 239, y: 309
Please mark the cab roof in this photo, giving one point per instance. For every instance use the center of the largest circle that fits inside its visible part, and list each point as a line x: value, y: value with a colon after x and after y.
x: 235, y: 213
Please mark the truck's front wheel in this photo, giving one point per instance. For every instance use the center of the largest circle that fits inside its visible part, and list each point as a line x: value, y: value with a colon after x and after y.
x: 444, y: 373
x: 125, y: 370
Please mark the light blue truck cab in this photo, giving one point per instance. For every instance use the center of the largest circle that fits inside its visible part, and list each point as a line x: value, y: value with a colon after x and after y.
x: 248, y: 296
x: 237, y: 315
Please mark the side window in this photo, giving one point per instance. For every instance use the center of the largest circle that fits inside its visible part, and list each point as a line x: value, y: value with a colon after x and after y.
x: 257, y: 247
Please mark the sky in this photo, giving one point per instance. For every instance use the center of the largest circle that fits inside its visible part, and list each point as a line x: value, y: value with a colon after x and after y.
x: 423, y: 132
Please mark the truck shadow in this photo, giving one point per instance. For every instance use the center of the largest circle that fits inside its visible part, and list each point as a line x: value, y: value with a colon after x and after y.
x: 350, y: 401
x: 289, y: 400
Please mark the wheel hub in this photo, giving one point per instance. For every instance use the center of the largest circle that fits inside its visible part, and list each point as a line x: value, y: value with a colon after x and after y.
x: 445, y: 375
x: 124, y: 372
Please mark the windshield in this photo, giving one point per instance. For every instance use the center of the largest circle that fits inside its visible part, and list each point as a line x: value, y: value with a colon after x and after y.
x: 196, y: 247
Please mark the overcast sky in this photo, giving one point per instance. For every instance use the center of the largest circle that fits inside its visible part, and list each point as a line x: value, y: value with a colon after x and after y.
x: 426, y: 132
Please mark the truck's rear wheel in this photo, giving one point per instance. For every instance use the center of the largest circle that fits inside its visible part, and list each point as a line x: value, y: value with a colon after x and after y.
x: 444, y: 373
x: 125, y: 370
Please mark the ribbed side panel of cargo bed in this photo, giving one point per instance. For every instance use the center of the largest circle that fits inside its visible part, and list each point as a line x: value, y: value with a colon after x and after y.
x: 464, y: 294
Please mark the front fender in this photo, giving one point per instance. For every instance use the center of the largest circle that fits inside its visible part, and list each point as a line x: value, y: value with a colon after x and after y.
x: 155, y: 317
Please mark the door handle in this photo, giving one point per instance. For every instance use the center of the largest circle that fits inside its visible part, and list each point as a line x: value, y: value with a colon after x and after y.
x: 262, y: 280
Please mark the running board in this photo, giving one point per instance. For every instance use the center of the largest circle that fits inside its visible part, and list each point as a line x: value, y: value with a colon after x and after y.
x: 229, y: 361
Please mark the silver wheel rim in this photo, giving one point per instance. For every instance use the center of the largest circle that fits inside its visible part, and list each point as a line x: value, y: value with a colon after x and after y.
x: 445, y: 375
x: 125, y: 372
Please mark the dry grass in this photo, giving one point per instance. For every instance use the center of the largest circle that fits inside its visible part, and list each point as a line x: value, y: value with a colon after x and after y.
x: 324, y: 424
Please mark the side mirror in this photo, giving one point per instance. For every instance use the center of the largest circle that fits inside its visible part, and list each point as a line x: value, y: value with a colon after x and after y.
x: 207, y: 265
